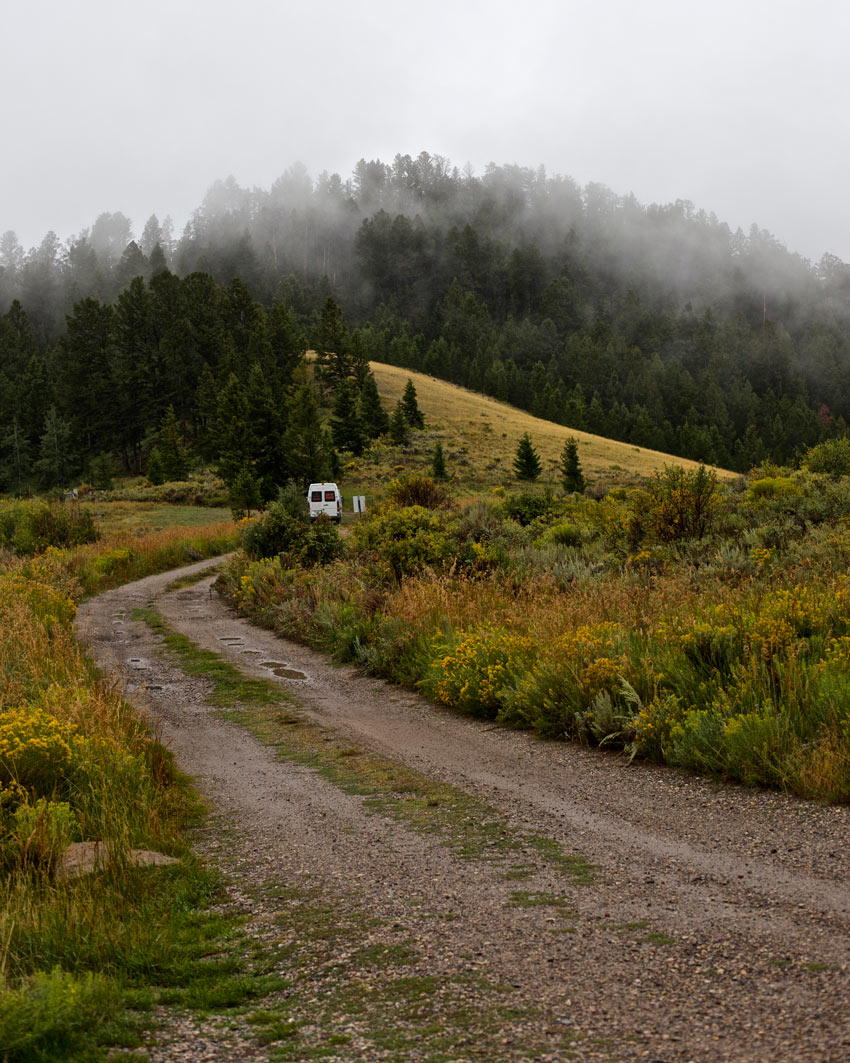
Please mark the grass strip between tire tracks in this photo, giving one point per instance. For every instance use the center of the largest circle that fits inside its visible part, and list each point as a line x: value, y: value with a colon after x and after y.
x: 465, y: 824
x: 356, y: 987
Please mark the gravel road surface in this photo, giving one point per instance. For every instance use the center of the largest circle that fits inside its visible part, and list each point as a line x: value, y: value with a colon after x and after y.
x: 715, y: 928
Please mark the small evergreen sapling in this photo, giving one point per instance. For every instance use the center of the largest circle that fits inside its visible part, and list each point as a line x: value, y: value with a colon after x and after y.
x: 412, y: 414
x: 438, y: 463
x: 244, y: 494
x: 571, y: 475
x: 527, y: 461
x: 399, y: 433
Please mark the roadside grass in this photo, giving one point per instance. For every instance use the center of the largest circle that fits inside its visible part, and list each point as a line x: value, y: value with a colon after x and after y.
x: 190, y: 580
x: 541, y: 899
x: 84, y: 961
x: 686, y: 623
x: 461, y: 822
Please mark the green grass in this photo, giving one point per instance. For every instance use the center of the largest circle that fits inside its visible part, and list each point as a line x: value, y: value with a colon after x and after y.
x: 191, y: 579
x: 657, y: 937
x: 114, y: 517
x: 109, y: 948
x: 229, y: 685
x: 540, y: 899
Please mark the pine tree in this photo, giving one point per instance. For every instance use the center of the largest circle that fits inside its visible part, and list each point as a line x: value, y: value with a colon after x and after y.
x: 527, y: 461
x: 233, y: 432
x: 346, y: 426
x: 244, y: 494
x: 55, y: 464
x: 155, y: 472
x: 412, y: 413
x: 173, y: 455
x: 16, y: 458
x: 265, y: 432
x: 333, y: 362
x: 372, y: 413
x: 100, y: 471
x: 570, y: 468
x: 399, y: 433
x: 310, y: 452
x: 438, y: 463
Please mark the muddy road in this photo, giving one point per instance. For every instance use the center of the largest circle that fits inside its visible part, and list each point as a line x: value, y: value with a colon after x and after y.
x: 714, y: 925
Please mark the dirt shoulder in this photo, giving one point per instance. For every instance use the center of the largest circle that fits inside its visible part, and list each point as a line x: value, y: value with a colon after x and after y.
x: 715, y: 927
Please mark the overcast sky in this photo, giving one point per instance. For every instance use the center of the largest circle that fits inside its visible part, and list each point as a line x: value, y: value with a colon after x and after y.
x: 737, y: 105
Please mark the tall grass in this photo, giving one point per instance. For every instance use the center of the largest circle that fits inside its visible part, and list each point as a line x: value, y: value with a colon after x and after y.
x: 721, y: 646
x: 78, y: 764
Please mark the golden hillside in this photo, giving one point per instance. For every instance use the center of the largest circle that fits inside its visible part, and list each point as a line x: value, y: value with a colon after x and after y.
x: 487, y: 431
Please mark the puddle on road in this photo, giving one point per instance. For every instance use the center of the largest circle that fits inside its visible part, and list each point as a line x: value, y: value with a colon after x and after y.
x: 254, y: 653
x: 289, y: 673
x: 283, y: 670
x: 230, y: 638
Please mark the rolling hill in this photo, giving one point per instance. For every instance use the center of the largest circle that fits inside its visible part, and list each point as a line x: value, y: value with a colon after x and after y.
x: 481, y: 435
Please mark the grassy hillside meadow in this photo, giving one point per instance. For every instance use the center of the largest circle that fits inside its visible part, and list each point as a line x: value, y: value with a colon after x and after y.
x: 480, y: 436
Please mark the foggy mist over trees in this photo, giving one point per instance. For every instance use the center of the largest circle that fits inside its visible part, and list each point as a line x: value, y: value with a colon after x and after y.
x: 653, y: 324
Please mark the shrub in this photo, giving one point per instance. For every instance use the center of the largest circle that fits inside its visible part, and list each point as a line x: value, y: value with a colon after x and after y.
x: 39, y: 834
x: 527, y: 506
x: 30, y: 527
x: 35, y: 750
x: 406, y: 538
x: 562, y: 534
x: 51, y: 1016
x: 832, y: 457
x: 277, y: 532
x: 677, y: 504
x: 770, y: 488
x: 474, y: 674
x: 414, y: 490
x: 557, y: 696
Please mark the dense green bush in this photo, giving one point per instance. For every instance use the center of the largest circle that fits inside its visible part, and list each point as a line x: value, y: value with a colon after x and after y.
x: 31, y: 526
x: 831, y: 457
x: 277, y: 531
x: 526, y: 506
x: 405, y: 538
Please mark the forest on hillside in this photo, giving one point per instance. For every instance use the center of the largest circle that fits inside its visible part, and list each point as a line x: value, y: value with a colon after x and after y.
x: 656, y: 325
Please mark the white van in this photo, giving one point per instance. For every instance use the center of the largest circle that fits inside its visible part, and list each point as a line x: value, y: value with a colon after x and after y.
x: 325, y: 498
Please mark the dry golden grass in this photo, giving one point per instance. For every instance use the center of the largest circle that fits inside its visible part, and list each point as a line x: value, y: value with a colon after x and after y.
x: 486, y: 432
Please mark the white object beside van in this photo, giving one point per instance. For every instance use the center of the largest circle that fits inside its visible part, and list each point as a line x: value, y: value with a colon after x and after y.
x: 325, y: 498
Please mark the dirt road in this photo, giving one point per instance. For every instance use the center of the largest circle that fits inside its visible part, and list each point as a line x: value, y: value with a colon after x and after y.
x: 715, y: 926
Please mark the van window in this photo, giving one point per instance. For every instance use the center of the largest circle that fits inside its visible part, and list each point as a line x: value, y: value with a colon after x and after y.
x: 330, y: 496
x: 316, y: 496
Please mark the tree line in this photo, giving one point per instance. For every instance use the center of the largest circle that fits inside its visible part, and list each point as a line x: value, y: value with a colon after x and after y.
x: 655, y: 325
x: 179, y: 372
